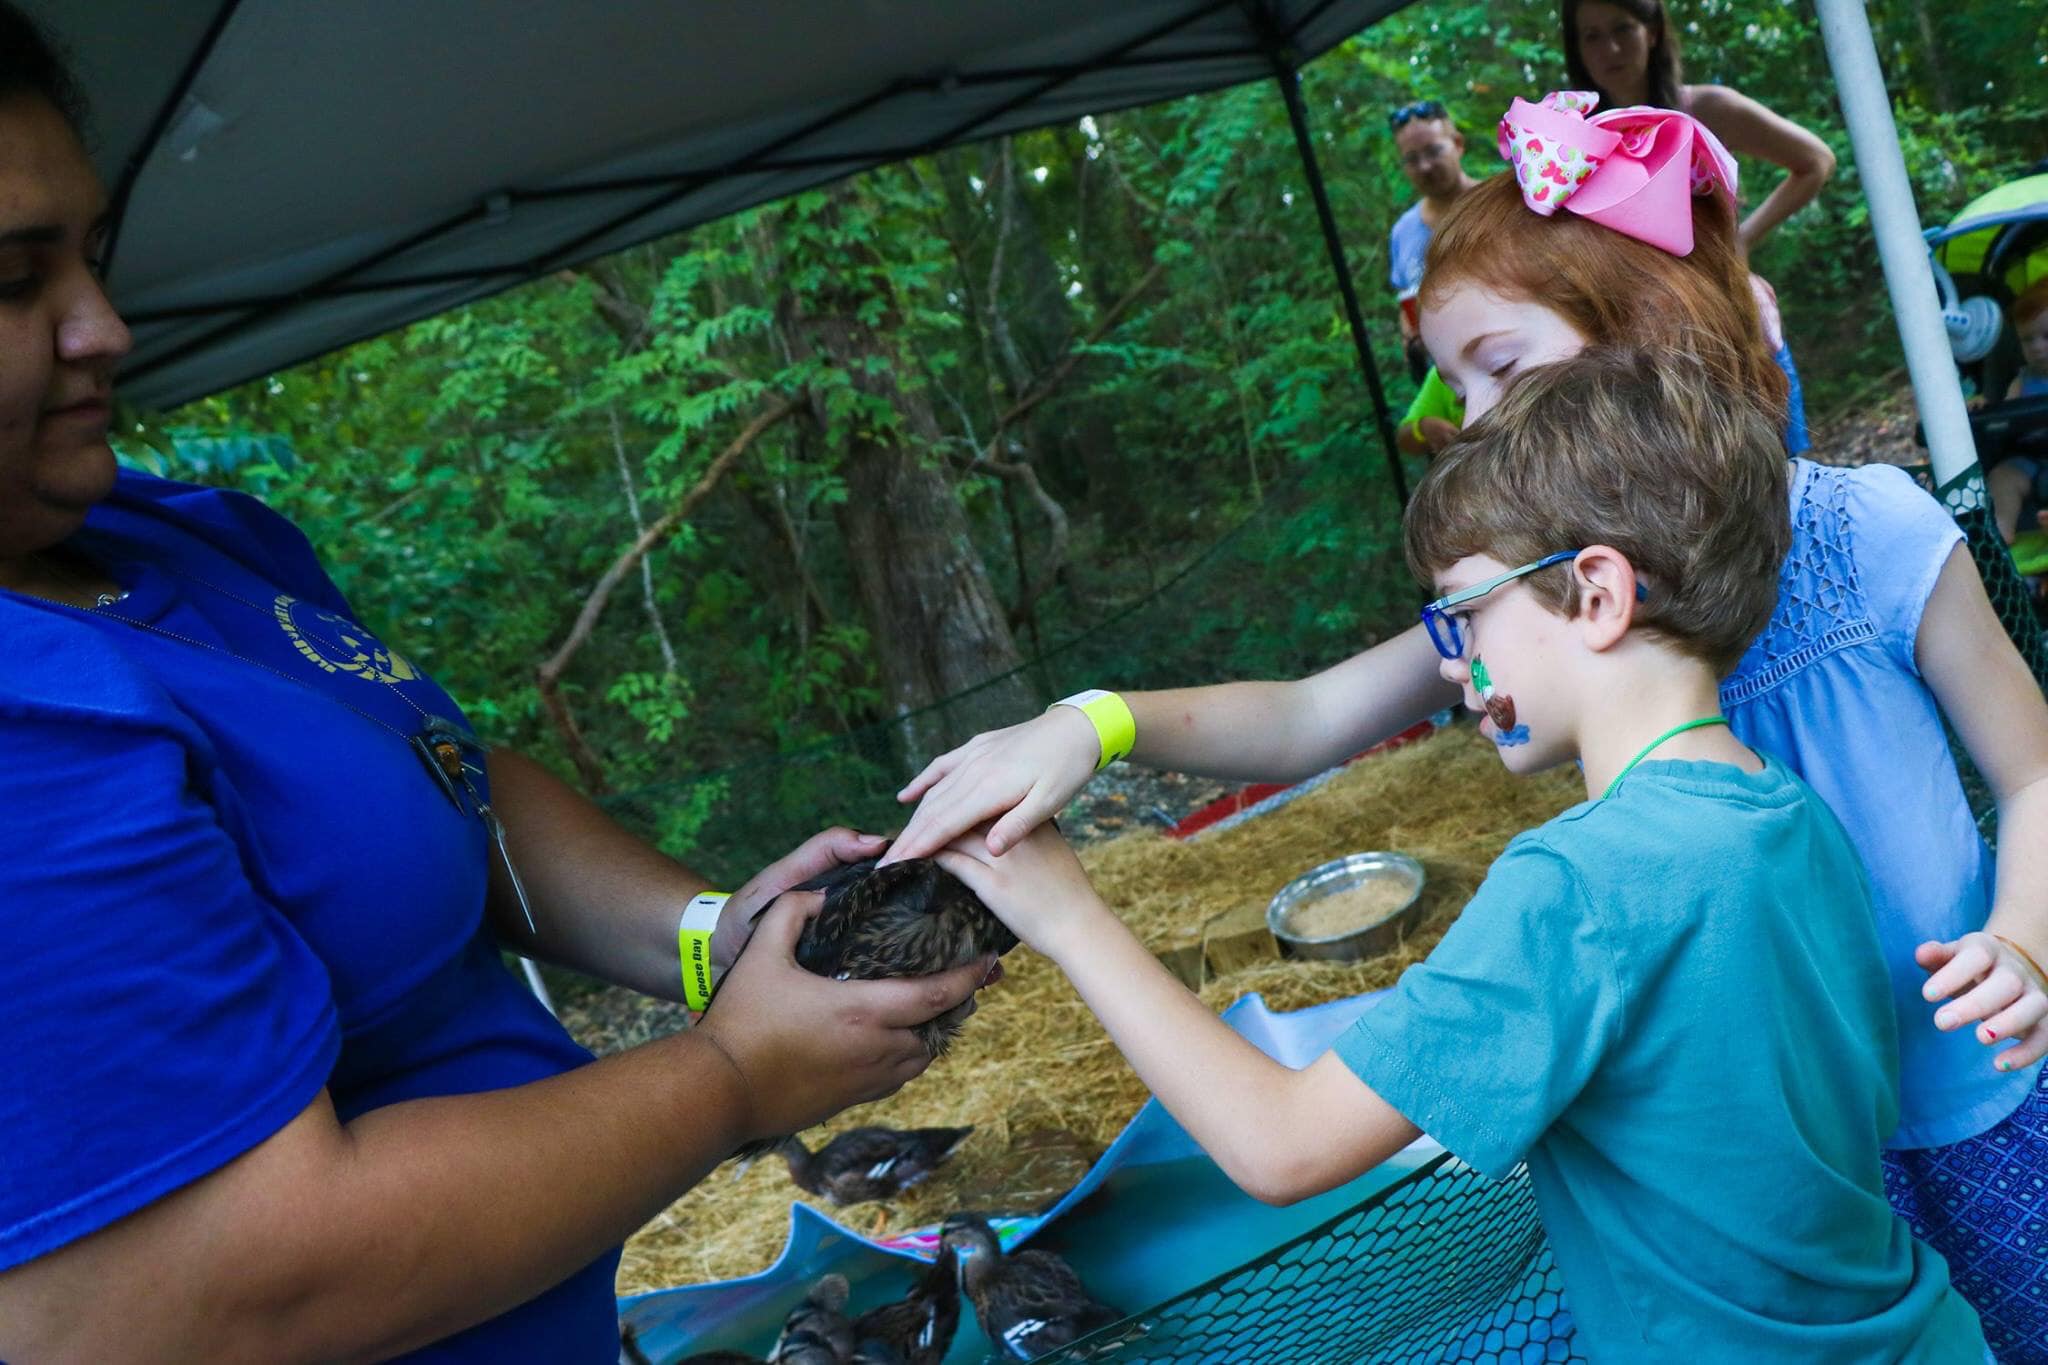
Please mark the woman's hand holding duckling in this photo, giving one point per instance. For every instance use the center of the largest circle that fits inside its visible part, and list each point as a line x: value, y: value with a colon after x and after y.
x: 1018, y: 777
x: 814, y: 857
x: 1998, y: 986
x: 803, y: 1047
x: 1039, y: 888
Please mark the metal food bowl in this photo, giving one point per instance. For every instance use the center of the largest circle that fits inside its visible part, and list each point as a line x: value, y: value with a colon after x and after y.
x: 1347, y: 873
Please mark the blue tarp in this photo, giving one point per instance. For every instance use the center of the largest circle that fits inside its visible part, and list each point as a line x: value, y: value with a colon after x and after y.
x: 743, y: 1314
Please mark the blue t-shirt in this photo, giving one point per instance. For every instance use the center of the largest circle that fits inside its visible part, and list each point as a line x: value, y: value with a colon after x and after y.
x: 1407, y: 244
x: 220, y: 890
x: 1670, y: 1004
x: 1832, y: 687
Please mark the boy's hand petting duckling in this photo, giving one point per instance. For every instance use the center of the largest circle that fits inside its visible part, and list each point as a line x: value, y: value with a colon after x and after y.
x: 803, y: 1047
x: 1018, y: 777
x: 1039, y: 888
x: 1998, y: 986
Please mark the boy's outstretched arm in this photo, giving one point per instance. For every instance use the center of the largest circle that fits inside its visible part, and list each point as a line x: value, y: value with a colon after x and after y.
x: 1987, y: 693
x: 1280, y: 1134
x: 1024, y: 775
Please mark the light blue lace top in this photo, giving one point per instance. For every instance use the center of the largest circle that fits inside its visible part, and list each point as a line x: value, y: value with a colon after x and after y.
x: 1833, y: 688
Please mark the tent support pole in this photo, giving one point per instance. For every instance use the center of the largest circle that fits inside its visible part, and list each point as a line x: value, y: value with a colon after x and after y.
x: 1874, y: 140
x: 1290, y: 90
x: 1909, y: 277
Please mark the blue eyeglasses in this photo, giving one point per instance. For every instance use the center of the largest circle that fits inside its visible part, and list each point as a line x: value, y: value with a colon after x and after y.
x: 1441, y: 617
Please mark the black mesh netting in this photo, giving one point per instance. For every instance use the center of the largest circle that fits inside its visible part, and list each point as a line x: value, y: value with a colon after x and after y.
x: 1966, y: 500
x: 1191, y: 626
x: 1445, y: 1266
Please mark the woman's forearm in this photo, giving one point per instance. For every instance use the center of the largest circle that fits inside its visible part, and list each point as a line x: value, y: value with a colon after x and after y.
x: 604, y: 901
x: 330, y: 1242
x: 1792, y: 194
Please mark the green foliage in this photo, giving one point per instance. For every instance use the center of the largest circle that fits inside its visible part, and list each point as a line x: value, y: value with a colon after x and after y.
x: 467, y: 479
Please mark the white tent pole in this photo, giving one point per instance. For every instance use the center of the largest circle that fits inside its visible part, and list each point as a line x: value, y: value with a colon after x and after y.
x: 1874, y: 140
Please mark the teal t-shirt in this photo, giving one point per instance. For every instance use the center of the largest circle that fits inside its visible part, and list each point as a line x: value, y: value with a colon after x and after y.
x: 1672, y: 1004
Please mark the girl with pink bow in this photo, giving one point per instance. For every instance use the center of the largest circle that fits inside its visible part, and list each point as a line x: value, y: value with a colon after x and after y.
x: 1882, y: 630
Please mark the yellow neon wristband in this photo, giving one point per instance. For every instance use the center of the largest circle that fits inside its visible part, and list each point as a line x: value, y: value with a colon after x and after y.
x: 1116, y: 729
x: 693, y: 945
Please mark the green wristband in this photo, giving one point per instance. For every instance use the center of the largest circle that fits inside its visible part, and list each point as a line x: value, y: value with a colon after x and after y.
x: 693, y: 945
x: 1116, y: 729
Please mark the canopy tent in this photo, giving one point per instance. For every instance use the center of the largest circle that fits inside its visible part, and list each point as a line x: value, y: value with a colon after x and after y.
x: 291, y: 178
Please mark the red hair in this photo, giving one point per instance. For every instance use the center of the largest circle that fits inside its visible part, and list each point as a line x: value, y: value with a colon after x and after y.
x: 1613, y: 289
x: 2031, y: 303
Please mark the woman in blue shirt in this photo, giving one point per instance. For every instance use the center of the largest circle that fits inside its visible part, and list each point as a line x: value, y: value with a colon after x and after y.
x: 267, y: 1081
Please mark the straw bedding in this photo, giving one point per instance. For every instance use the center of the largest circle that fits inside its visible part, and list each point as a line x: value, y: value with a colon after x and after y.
x: 1034, y: 1073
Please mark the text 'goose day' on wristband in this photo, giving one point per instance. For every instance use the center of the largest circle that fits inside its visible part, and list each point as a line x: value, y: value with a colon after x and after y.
x: 1116, y: 729
x: 693, y: 945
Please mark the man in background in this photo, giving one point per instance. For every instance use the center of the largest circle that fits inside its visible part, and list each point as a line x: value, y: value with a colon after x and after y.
x: 1432, y: 154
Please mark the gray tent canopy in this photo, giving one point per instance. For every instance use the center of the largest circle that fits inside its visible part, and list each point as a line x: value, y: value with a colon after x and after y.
x: 289, y: 178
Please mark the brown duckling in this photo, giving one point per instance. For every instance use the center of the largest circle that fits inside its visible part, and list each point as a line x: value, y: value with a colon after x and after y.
x: 1028, y: 1302
x: 918, y: 1328
x: 817, y: 1331
x: 870, y: 1163
x: 911, y: 918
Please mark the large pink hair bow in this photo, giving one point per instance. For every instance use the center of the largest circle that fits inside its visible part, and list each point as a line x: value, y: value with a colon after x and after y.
x: 1635, y: 170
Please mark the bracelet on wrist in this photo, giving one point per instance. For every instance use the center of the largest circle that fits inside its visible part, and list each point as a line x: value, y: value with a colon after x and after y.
x: 693, y: 945
x: 2025, y: 957
x: 1116, y: 729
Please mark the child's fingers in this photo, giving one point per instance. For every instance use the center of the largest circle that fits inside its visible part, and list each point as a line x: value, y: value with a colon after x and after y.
x: 2015, y: 1019
x: 1994, y: 993
x: 2031, y: 1048
x: 1932, y: 955
x: 955, y: 805
x: 974, y: 872
x: 1967, y: 962
x: 929, y: 777
x: 1018, y: 822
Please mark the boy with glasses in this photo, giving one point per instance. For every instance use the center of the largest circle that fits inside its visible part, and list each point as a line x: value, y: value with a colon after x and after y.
x: 1432, y: 154
x: 1669, y: 1000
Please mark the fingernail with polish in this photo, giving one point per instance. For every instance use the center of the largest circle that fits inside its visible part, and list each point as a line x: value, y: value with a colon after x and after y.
x: 1944, y: 1019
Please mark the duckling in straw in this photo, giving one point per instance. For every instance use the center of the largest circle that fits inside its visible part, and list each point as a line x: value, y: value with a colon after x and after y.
x: 918, y: 1328
x: 1028, y: 1302
x: 870, y: 1163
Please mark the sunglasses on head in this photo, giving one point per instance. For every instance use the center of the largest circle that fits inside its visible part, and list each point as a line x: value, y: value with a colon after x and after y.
x: 1408, y: 113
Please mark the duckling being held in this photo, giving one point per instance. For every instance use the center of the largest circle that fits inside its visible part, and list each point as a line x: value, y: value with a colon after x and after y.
x: 1029, y: 1302
x: 817, y: 1331
x: 918, y: 1328
x: 911, y: 918
x: 870, y: 1163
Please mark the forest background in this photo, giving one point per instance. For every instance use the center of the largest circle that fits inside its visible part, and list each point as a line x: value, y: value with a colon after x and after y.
x: 915, y: 453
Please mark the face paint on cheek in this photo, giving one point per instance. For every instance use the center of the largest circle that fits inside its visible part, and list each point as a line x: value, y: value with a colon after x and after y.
x: 1500, y: 708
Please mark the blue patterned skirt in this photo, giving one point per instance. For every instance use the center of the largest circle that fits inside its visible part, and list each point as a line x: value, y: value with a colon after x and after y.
x: 1983, y: 1204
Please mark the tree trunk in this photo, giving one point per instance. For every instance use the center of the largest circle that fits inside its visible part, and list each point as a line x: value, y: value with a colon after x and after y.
x: 936, y: 625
